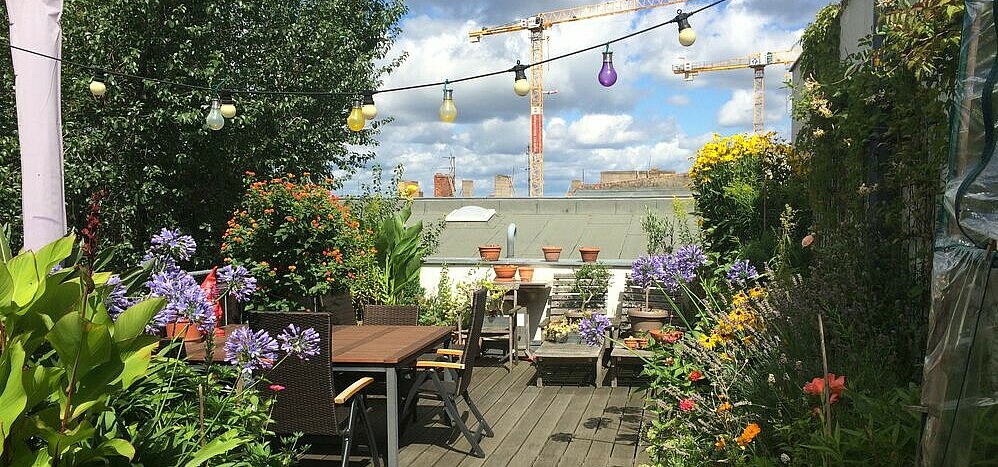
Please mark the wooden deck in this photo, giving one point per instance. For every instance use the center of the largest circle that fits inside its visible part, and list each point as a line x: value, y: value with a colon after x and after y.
x: 549, y: 426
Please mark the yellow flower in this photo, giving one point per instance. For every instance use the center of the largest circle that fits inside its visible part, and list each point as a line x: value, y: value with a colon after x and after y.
x: 724, y: 407
x: 757, y: 292
x: 720, y: 444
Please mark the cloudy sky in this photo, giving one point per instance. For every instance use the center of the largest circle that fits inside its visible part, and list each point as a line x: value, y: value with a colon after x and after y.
x: 649, y: 118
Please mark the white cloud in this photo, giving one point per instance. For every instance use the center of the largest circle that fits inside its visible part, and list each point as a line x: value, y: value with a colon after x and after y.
x: 678, y: 100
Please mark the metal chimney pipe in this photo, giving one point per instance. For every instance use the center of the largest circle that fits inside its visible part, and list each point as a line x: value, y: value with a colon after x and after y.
x: 510, y: 240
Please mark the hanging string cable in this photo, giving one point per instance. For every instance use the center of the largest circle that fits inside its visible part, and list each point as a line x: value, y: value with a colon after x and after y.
x: 197, y: 87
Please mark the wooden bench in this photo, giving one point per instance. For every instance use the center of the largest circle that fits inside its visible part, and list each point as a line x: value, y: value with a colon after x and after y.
x: 569, y: 362
x: 633, y: 298
x: 623, y: 359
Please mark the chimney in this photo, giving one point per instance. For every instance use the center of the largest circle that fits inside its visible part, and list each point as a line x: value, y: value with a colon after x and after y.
x: 443, y: 186
x: 503, y: 186
x: 467, y: 188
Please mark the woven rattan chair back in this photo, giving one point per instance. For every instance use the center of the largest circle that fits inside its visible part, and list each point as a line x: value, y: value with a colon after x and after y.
x: 391, y: 315
x: 471, y: 351
x: 340, y: 307
x: 306, y: 402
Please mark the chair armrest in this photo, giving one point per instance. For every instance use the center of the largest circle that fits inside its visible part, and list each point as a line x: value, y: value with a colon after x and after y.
x: 353, y: 389
x: 433, y: 364
x: 450, y: 352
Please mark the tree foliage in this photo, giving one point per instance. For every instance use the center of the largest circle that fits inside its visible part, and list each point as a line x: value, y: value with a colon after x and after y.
x: 145, y: 143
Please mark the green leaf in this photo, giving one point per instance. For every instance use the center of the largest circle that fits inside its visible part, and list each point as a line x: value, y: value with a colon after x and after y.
x: 81, y: 345
x: 224, y: 443
x: 137, y: 363
x: 117, y: 446
x: 53, y: 253
x: 133, y: 321
x: 5, y: 244
x: 13, y: 400
x: 6, y: 287
x: 24, y: 272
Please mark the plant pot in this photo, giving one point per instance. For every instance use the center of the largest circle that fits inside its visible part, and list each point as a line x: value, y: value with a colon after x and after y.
x: 647, y: 320
x: 635, y: 342
x: 526, y: 273
x: 504, y: 272
x: 588, y: 253
x: 489, y: 252
x: 551, y: 253
x: 183, y: 328
x: 573, y: 338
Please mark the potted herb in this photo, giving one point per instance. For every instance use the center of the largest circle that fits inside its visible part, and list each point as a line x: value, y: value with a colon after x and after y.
x: 591, y: 283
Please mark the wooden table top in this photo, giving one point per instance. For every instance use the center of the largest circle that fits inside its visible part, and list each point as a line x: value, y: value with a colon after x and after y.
x: 356, y: 344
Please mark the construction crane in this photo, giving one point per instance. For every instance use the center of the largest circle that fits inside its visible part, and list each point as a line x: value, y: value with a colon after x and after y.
x: 536, y: 25
x: 757, y: 62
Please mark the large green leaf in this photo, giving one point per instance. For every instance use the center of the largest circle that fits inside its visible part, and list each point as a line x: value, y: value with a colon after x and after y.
x: 224, y: 443
x: 24, y: 273
x: 5, y: 244
x: 13, y: 399
x: 137, y: 362
x: 6, y: 289
x: 52, y: 254
x: 133, y: 321
x: 81, y: 345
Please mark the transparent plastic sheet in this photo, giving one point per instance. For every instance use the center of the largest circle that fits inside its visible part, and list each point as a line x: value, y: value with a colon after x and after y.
x: 960, y: 382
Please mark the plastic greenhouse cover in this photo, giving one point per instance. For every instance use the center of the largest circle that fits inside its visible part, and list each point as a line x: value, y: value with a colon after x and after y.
x: 960, y: 386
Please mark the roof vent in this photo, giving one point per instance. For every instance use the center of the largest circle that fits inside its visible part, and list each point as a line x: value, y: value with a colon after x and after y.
x: 470, y: 214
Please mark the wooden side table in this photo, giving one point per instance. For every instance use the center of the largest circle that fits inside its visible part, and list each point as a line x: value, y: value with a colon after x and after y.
x: 624, y: 355
x: 559, y: 359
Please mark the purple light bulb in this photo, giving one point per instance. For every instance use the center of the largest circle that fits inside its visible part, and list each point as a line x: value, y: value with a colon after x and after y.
x: 607, y: 75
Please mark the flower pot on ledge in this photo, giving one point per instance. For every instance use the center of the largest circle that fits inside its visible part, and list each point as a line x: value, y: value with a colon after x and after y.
x: 489, y: 252
x: 551, y: 253
x: 526, y: 273
x: 504, y: 272
x: 588, y: 253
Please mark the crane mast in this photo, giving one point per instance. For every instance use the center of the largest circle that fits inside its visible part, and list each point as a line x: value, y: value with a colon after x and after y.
x: 536, y: 25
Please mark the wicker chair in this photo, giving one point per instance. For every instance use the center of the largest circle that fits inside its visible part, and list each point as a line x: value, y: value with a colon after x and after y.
x: 434, y: 381
x: 391, y: 315
x: 341, y: 307
x: 309, y: 403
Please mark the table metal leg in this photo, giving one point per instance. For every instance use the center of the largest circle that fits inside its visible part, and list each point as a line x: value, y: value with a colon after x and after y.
x: 392, y: 396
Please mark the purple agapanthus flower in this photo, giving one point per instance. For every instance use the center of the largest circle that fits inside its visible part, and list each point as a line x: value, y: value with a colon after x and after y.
x: 250, y: 351
x: 118, y: 300
x: 300, y: 343
x: 168, y: 247
x: 185, y: 299
x: 741, y: 272
x: 236, y: 281
x: 593, y: 330
x: 647, y: 270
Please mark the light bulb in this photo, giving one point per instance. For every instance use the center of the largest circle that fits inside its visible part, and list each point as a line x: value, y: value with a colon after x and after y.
x: 228, y: 107
x: 215, y: 120
x: 607, y: 75
x: 686, y: 35
x: 368, y: 109
x: 520, y: 84
x: 97, y: 86
x: 448, y: 112
x: 355, y: 121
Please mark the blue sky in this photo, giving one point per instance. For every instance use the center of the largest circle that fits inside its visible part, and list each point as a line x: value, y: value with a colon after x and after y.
x: 650, y: 117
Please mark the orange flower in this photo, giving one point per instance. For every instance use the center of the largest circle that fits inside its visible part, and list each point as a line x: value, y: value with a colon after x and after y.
x: 835, y: 386
x: 720, y: 444
x: 696, y: 375
x: 750, y: 432
x: 289, y: 218
x: 292, y: 267
x: 724, y: 407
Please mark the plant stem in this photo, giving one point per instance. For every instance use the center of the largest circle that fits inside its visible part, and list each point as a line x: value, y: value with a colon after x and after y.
x: 825, y: 387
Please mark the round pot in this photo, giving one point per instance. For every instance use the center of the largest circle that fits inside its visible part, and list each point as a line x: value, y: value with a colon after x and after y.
x: 183, y: 328
x: 635, y: 342
x: 551, y: 253
x: 489, y: 252
x: 504, y: 272
x: 588, y: 253
x: 647, y: 320
x: 526, y: 273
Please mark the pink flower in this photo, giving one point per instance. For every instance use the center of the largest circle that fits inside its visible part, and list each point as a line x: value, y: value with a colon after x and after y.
x: 835, y: 387
x: 686, y: 404
x: 276, y: 387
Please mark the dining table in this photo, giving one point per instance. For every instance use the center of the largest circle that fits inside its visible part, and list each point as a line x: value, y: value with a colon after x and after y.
x: 366, y: 349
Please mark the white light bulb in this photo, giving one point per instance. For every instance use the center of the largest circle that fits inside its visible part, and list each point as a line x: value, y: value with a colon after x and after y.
x: 215, y: 121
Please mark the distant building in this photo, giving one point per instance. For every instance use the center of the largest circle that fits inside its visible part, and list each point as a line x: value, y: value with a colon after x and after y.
x: 633, y: 183
x: 503, y: 187
x: 443, y: 185
x: 467, y: 188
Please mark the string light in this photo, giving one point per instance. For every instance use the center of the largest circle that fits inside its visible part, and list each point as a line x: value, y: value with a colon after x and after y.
x: 369, y: 110
x: 520, y: 84
x: 228, y: 107
x: 607, y: 75
x: 686, y: 34
x: 355, y: 121
x: 214, y: 121
x: 97, y: 86
x: 448, y: 111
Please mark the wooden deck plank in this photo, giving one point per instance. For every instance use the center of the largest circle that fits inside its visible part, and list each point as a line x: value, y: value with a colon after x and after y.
x: 584, y: 433
x: 558, y: 441
x: 548, y: 404
x: 629, y: 431
x: 606, y: 433
x: 502, y: 427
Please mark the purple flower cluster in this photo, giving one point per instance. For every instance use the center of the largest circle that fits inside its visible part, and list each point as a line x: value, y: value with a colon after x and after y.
x: 118, y: 300
x: 236, y: 281
x: 299, y: 343
x: 250, y: 351
x: 670, y: 270
x: 741, y: 272
x: 593, y: 330
x: 168, y: 247
x: 185, y: 299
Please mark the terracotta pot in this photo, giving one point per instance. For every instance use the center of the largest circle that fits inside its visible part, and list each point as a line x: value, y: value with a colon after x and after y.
x: 646, y: 320
x: 504, y: 272
x: 635, y: 342
x: 589, y: 253
x: 183, y: 328
x: 526, y: 273
x: 551, y: 253
x: 489, y: 252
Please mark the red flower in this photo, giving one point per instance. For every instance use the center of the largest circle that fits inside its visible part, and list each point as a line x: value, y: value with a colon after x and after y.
x: 696, y: 375
x: 835, y: 387
x: 276, y: 387
x: 686, y: 404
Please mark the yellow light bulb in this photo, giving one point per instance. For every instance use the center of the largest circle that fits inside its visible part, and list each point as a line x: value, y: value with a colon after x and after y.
x: 687, y: 37
x: 355, y: 121
x: 448, y: 111
x: 228, y: 109
x: 97, y: 88
x: 521, y: 87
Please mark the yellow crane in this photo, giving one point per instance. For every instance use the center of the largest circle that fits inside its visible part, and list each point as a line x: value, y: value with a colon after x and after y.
x: 536, y: 25
x: 757, y: 62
